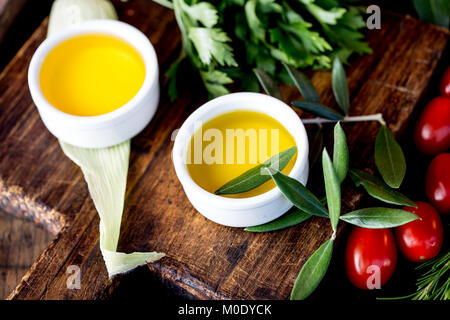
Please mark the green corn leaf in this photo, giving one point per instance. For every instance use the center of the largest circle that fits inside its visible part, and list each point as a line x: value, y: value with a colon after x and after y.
x: 340, y: 88
x: 379, y: 218
x: 389, y: 158
x: 332, y: 189
x: 379, y: 190
x: 293, y: 217
x: 340, y: 152
x: 313, y: 271
x: 303, y: 84
x: 268, y: 84
x: 298, y: 194
x: 255, y: 176
x: 318, y: 109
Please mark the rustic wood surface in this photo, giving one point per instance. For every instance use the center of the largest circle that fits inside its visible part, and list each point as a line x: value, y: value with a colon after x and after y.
x: 9, y: 9
x: 205, y: 259
x: 21, y: 243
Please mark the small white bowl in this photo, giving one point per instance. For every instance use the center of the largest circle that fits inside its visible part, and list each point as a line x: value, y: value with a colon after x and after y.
x: 251, y: 211
x: 107, y: 129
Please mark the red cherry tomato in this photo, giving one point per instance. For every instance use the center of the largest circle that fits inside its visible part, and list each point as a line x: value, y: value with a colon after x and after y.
x: 421, y: 240
x: 437, y: 182
x: 445, y: 83
x: 370, y: 257
x: 432, y: 133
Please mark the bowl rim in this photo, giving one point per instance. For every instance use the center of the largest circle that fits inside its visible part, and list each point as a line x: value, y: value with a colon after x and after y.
x: 204, y: 113
x: 118, y: 29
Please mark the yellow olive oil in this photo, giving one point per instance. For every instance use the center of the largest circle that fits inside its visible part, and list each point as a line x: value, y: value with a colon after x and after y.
x: 91, y: 74
x: 231, y: 144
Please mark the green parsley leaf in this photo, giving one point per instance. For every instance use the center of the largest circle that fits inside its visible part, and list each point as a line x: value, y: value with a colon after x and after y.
x: 211, y: 43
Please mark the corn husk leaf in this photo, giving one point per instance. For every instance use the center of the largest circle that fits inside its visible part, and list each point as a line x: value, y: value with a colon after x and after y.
x: 105, y: 169
x: 69, y: 12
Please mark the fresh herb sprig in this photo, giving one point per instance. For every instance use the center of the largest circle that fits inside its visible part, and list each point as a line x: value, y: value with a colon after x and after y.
x: 307, y: 205
x: 389, y: 160
x: 224, y: 40
x: 434, y: 284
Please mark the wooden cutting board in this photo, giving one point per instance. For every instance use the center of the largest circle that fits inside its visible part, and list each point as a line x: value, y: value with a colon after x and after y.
x: 9, y: 9
x: 207, y: 260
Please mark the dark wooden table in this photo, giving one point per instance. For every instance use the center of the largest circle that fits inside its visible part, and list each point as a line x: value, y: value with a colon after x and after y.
x: 204, y: 260
x: 21, y: 243
x: 9, y: 9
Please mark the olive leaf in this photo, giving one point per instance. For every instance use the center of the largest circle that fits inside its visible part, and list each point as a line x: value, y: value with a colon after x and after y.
x: 332, y: 189
x: 379, y: 190
x: 293, y: 217
x: 389, y: 158
x: 340, y: 152
x: 318, y: 110
x: 253, y: 177
x: 313, y: 271
x: 298, y: 194
x: 379, y: 218
x: 433, y: 11
x: 303, y: 84
x: 268, y: 84
x: 339, y: 83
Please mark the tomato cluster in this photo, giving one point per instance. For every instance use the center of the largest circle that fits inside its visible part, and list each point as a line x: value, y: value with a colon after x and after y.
x: 371, y: 254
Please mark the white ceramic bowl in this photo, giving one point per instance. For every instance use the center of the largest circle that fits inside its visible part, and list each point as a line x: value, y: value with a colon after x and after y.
x: 110, y: 128
x: 247, y: 211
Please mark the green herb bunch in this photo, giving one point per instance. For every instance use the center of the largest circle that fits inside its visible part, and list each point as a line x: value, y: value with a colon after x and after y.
x: 389, y: 160
x: 434, y: 283
x: 225, y: 39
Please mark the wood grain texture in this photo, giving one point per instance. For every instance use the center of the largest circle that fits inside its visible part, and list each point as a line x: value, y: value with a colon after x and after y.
x: 206, y: 260
x: 9, y: 9
x: 20, y: 245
